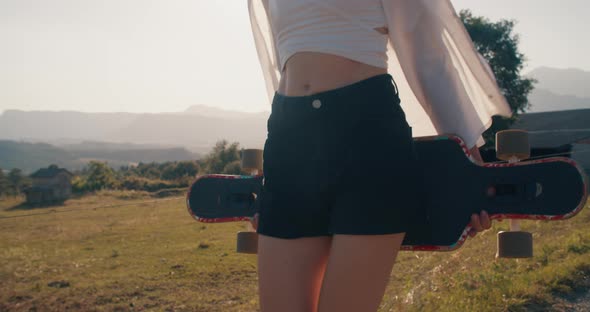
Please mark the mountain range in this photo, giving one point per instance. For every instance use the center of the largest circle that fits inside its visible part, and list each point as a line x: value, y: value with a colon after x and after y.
x: 197, y: 129
x: 559, y: 89
x: 32, y: 156
x: 31, y: 140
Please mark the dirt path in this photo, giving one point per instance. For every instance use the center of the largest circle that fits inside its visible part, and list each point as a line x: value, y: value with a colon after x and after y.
x: 578, y: 301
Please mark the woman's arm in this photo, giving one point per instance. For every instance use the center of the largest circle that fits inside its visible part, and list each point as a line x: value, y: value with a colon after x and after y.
x: 442, y: 68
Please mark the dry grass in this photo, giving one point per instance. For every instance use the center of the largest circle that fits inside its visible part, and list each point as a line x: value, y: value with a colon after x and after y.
x: 471, y: 279
x: 146, y: 255
x: 143, y: 256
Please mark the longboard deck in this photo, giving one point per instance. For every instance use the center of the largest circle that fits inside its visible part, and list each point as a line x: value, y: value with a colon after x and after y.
x: 454, y: 187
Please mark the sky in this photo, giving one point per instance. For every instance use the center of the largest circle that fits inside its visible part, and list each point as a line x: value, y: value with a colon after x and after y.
x: 148, y: 56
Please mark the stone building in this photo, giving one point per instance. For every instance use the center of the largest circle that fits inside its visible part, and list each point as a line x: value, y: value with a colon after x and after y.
x: 561, y: 132
x: 50, y: 185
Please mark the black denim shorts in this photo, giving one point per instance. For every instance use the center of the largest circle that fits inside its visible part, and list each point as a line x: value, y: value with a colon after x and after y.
x: 339, y: 162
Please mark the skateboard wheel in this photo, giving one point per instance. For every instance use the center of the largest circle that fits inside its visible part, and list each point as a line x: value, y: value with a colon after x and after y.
x: 515, y: 245
x: 247, y: 242
x: 252, y: 159
x: 512, y: 144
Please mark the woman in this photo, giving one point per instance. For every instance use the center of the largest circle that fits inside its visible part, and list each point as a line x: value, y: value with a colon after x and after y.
x: 339, y: 147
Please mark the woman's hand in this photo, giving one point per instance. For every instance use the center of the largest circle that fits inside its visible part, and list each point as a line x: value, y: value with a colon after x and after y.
x: 481, y: 222
x: 254, y: 221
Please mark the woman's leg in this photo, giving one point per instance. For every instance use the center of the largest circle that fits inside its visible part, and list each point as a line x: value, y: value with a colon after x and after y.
x: 358, y: 271
x: 290, y: 272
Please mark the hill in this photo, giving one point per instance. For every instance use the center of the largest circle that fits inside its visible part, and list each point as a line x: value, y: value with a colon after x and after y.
x: 545, y: 101
x: 559, y: 89
x: 197, y: 129
x: 570, y: 81
x: 32, y: 156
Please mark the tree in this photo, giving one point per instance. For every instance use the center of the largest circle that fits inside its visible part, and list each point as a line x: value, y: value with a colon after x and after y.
x: 18, y: 181
x: 234, y: 167
x: 150, y: 171
x: 499, y: 46
x: 79, y: 184
x: 223, y: 153
x: 179, y: 170
x: 187, y: 169
x: 4, y: 184
x: 100, y: 176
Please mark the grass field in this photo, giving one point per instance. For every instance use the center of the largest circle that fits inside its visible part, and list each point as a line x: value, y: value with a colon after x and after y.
x: 116, y: 251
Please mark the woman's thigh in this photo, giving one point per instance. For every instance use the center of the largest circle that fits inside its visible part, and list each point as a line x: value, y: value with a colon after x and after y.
x: 290, y: 272
x: 358, y: 271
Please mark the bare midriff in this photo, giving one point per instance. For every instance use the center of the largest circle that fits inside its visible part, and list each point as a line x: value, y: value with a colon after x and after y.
x: 307, y: 73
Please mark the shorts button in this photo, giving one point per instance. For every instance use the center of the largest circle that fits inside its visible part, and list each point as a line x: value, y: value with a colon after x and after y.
x: 316, y: 104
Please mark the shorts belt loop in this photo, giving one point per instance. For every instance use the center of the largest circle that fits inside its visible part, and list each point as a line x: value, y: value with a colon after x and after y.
x: 395, y: 86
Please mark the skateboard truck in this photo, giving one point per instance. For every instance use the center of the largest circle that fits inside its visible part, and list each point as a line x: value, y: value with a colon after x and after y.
x: 513, y: 146
x: 252, y: 163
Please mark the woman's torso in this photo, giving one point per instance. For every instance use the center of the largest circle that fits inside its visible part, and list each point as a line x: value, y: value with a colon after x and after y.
x: 308, y: 73
x: 305, y: 72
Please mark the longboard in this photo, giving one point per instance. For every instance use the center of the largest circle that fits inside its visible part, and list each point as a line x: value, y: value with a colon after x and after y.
x: 454, y: 187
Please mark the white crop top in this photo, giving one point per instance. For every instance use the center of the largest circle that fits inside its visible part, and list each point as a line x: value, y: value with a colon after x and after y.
x: 324, y: 26
x: 445, y: 85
